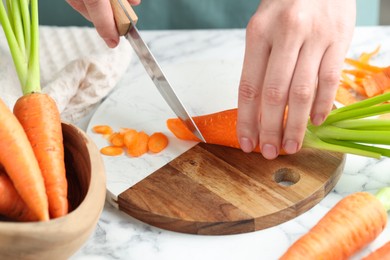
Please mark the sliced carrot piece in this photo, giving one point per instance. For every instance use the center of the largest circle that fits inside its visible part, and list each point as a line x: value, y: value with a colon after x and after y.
x: 102, y: 129
x: 112, y: 150
x: 157, y: 142
x: 139, y: 146
x: 129, y: 137
x: 116, y: 139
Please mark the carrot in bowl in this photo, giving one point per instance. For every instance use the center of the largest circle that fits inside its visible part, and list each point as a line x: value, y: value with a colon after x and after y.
x: 36, y: 111
x: 20, y: 163
x: 39, y: 116
x: 381, y: 253
x: 11, y: 204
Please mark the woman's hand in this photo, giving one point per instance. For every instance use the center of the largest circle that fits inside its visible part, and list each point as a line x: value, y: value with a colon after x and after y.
x: 294, y: 54
x: 99, y: 12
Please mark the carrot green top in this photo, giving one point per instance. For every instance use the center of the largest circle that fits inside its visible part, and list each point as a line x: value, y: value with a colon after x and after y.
x: 21, y: 28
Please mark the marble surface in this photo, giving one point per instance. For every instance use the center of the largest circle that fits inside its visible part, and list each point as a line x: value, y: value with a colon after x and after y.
x: 216, y: 56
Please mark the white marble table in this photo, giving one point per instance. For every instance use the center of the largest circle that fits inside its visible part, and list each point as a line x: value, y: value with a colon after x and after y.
x: 119, y: 236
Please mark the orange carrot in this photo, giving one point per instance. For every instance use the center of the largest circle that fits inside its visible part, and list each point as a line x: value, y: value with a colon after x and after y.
x: 102, y: 129
x: 366, y: 56
x: 157, y: 142
x: 21, y: 165
x: 112, y: 150
x: 380, y: 254
x: 377, y: 83
x: 39, y: 116
x: 217, y: 128
x: 11, y: 204
x: 139, y: 145
x: 351, y: 224
x: 116, y: 139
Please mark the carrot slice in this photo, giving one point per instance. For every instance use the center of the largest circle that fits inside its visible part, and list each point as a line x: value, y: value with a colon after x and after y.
x: 116, y: 139
x: 139, y: 146
x: 11, y: 204
x: 102, y: 129
x: 129, y: 137
x: 20, y: 163
x: 351, y: 224
x: 157, y: 142
x: 111, y: 150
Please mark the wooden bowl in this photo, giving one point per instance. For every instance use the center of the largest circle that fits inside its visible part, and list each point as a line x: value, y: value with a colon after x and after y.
x: 62, y: 237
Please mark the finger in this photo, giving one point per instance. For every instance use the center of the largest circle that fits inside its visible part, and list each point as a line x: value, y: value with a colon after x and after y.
x: 255, y: 62
x: 277, y: 81
x: 101, y: 15
x: 134, y: 2
x: 79, y: 6
x: 328, y: 81
x: 301, y: 95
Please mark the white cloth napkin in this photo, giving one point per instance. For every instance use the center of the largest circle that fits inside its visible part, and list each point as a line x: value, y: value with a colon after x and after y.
x: 77, y: 69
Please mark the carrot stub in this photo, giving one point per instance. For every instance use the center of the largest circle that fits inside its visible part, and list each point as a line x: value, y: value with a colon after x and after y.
x: 40, y: 118
x: 351, y: 224
x: 20, y: 163
x: 11, y: 204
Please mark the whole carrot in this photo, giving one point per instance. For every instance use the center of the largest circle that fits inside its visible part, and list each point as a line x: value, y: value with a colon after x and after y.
x: 40, y: 118
x: 18, y: 160
x: 336, y: 134
x: 11, y: 204
x: 350, y: 225
x: 381, y: 253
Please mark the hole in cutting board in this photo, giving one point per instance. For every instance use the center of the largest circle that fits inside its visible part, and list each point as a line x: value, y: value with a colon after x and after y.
x: 286, y: 177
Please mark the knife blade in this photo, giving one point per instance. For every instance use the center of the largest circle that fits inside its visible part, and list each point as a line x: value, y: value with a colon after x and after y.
x: 125, y: 19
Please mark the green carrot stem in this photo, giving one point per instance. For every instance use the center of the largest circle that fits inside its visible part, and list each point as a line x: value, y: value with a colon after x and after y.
x: 365, y: 147
x: 18, y: 26
x: 26, y: 25
x: 364, y: 103
x: 364, y: 124
x: 357, y: 113
x: 384, y: 196
x: 360, y: 136
x: 20, y: 62
x: 33, y: 81
x: 312, y: 141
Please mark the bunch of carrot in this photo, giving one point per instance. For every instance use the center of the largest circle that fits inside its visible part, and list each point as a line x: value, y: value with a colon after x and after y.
x: 32, y: 134
x: 362, y: 80
x: 136, y: 143
x: 349, y: 226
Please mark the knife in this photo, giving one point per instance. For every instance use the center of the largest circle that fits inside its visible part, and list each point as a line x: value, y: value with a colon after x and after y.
x: 125, y: 19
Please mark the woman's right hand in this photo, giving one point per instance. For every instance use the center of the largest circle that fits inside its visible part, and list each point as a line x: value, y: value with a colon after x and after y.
x: 99, y: 12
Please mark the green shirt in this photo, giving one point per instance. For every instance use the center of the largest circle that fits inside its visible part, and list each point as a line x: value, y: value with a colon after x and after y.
x: 167, y: 14
x: 195, y: 14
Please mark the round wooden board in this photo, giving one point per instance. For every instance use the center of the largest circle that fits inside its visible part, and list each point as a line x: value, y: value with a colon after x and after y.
x: 217, y: 190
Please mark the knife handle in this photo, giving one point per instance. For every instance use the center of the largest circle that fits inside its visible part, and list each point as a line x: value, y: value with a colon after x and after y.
x: 123, y: 23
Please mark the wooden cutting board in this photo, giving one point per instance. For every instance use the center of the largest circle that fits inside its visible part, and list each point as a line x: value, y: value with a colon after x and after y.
x: 218, y: 190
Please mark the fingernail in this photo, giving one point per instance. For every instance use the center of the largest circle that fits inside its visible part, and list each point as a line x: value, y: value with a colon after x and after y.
x: 246, y: 144
x: 111, y: 43
x: 318, y: 119
x: 290, y: 146
x: 269, y: 151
